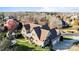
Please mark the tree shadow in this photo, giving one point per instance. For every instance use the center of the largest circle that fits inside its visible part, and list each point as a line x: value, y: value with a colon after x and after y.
x: 18, y: 48
x: 19, y: 36
x: 22, y: 48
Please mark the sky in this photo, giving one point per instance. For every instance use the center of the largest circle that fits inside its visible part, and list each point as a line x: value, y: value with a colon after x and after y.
x: 39, y: 9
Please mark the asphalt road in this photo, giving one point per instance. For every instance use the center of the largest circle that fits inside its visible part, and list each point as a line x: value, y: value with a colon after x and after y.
x: 66, y: 44
x: 70, y: 34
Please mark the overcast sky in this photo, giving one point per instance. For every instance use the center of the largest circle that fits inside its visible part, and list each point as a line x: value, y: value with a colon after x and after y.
x: 39, y: 9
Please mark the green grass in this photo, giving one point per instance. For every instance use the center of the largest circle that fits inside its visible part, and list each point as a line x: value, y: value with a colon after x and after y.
x: 24, y: 45
x: 67, y: 38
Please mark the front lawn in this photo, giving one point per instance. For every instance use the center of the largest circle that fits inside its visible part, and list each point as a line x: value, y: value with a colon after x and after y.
x: 24, y: 45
